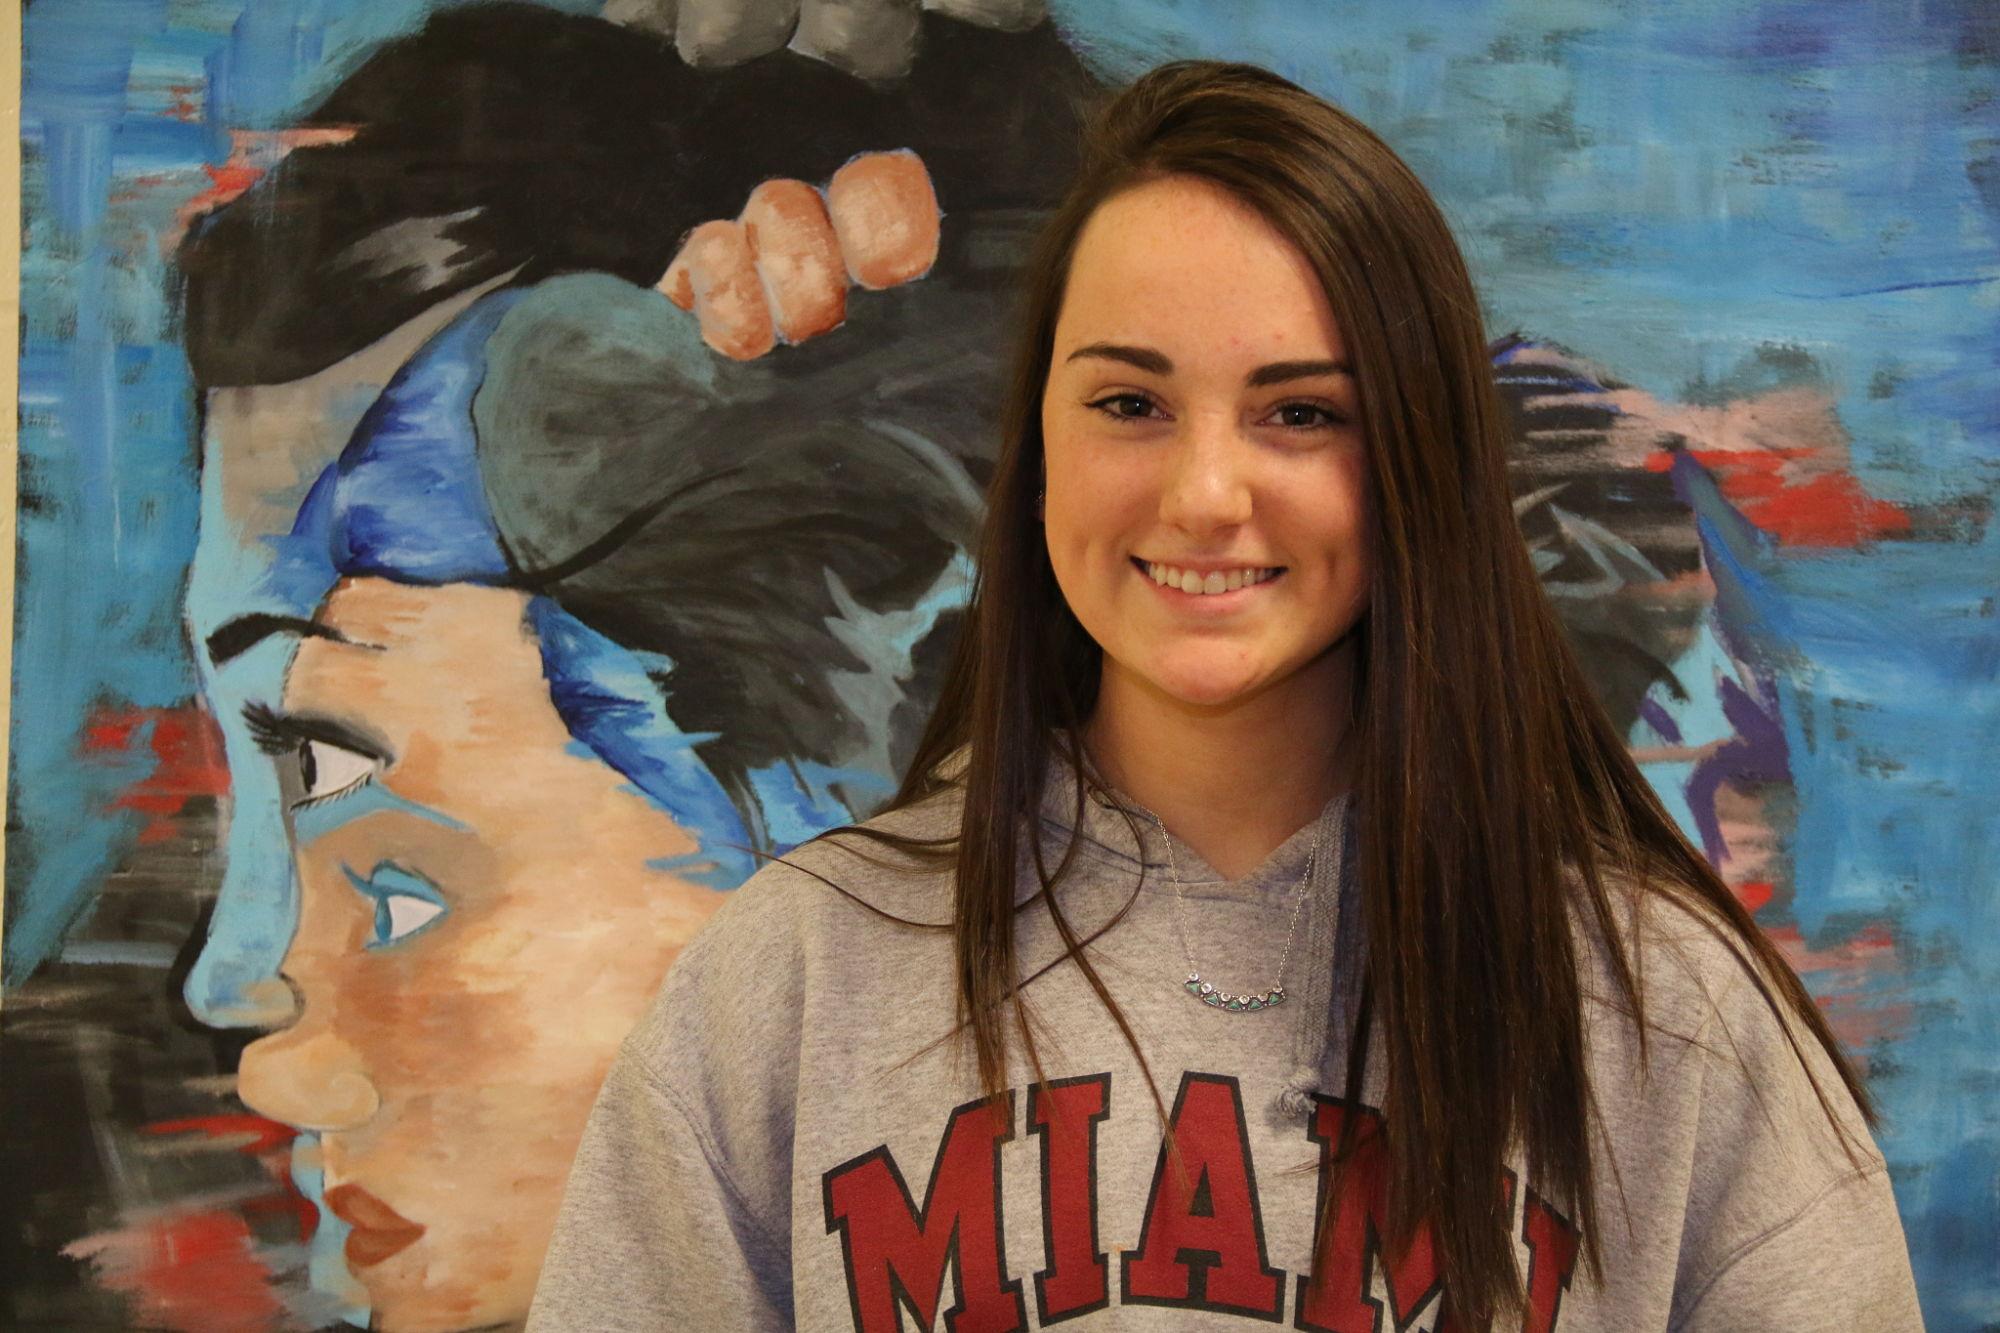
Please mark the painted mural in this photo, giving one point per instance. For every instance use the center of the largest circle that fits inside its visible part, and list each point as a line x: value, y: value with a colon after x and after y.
x: 490, y: 472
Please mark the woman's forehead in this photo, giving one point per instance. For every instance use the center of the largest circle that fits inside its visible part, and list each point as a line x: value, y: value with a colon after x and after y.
x: 1185, y: 267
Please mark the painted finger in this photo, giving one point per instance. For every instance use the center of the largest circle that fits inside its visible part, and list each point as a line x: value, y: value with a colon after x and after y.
x: 677, y: 284
x: 654, y: 16
x: 875, y: 39
x: 1009, y: 15
x: 727, y: 296
x: 886, y: 215
x: 798, y: 257
x: 728, y: 32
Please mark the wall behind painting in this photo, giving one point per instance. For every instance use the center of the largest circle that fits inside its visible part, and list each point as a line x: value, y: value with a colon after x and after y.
x: 1712, y: 202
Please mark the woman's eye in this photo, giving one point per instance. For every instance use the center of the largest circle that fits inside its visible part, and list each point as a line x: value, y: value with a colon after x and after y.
x: 404, y: 902
x: 1127, y: 406
x: 1305, y: 416
x: 326, y: 770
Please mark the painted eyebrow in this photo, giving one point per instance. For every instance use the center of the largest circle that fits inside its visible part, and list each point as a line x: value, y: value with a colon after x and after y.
x: 239, y: 636
x: 1155, y: 363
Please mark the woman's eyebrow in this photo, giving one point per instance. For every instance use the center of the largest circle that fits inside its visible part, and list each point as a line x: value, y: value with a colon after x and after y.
x: 1283, y: 372
x: 1144, y: 358
x: 1156, y: 363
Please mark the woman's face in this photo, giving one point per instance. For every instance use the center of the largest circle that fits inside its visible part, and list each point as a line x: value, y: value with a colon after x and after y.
x: 1206, y: 509
x: 479, y: 928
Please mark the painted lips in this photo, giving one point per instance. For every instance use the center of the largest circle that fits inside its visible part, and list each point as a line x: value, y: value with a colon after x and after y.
x: 378, y: 1230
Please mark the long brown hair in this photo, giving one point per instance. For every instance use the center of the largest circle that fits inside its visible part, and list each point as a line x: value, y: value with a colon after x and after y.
x: 1494, y: 804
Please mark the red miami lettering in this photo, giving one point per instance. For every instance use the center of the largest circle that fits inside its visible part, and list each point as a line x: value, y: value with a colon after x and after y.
x: 896, y: 1256
x: 1202, y: 1244
x: 1337, y: 1297
x: 1552, y: 1246
x: 1064, y: 1114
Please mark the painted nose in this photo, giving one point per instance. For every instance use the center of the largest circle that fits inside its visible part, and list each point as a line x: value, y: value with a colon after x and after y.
x: 309, y: 1077
x: 235, y: 981
x: 1208, y: 489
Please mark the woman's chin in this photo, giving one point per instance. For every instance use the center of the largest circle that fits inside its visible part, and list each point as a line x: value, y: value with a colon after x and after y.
x: 1206, y: 686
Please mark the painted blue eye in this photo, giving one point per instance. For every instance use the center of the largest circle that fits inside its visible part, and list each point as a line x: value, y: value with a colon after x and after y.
x: 405, y: 902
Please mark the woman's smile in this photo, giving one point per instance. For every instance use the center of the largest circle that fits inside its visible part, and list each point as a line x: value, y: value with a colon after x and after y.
x: 1210, y: 585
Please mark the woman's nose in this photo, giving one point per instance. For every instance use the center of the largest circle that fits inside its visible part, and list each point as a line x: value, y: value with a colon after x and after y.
x: 310, y: 1077
x: 1208, y: 487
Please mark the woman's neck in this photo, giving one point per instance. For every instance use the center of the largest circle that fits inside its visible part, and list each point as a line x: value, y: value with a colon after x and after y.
x: 1232, y: 782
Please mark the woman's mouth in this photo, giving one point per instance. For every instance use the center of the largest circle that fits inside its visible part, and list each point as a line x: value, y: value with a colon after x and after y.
x: 378, y: 1230
x: 1206, y: 582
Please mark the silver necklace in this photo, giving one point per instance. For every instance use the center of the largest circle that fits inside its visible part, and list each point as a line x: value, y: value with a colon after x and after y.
x: 1207, y: 992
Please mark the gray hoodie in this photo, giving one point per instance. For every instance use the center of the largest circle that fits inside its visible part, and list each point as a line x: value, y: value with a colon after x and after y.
x: 792, y: 1137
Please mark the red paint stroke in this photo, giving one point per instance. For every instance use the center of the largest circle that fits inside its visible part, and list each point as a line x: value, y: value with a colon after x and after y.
x: 262, y: 1134
x: 195, y: 1272
x: 1841, y: 975
x: 1823, y: 508
x: 1755, y: 895
x: 186, y: 746
x: 269, y: 1143
x: 251, y: 154
x: 225, y: 182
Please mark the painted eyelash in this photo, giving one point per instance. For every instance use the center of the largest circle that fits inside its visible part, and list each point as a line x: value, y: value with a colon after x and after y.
x: 268, y: 730
x: 273, y: 737
x: 308, y: 802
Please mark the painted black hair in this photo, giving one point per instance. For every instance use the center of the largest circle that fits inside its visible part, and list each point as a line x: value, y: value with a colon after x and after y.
x: 511, y: 139
x: 775, y: 530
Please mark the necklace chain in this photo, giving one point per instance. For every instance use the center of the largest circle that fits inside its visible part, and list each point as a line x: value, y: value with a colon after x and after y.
x: 1206, y: 991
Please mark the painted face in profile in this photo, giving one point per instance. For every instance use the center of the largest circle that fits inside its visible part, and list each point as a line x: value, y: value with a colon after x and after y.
x: 483, y: 916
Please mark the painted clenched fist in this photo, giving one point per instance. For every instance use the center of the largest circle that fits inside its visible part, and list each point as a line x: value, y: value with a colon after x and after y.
x: 780, y: 270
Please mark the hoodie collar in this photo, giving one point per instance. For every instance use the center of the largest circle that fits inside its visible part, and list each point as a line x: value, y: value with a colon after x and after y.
x: 1112, y: 824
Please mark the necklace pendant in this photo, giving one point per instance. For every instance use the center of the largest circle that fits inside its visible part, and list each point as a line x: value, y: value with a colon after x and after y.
x: 1206, y: 992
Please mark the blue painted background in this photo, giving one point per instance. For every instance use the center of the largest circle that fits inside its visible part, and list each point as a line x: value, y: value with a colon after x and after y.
x: 1664, y: 191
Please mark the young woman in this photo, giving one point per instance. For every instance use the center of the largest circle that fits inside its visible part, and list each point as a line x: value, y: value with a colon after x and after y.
x: 1319, y: 954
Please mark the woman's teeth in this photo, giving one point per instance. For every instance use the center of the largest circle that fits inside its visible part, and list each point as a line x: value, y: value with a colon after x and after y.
x: 1207, y: 585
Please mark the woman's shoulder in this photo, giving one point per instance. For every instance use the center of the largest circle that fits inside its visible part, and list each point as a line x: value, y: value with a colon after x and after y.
x: 1728, y: 1127
x: 1714, y: 1008
x: 895, y: 862
x: 832, y: 893
x: 743, y: 986
x: 1690, y: 962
